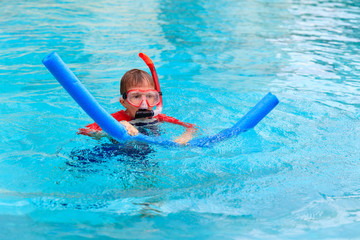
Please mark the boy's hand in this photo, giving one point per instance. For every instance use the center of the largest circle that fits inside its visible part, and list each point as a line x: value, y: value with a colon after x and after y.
x: 186, y: 136
x: 132, y: 131
x: 97, y: 135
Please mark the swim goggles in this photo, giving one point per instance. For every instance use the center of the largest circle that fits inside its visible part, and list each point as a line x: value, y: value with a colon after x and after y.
x: 136, y: 97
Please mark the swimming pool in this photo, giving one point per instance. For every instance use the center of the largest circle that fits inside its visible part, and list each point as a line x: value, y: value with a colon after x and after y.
x: 295, y: 176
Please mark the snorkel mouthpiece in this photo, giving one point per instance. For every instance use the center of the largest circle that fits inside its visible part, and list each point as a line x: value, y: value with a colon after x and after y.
x: 142, y: 113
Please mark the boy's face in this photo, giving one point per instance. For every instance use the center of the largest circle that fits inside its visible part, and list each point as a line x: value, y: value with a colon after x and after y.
x: 131, y: 110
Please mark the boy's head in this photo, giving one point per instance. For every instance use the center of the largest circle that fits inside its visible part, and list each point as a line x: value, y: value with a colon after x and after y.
x: 135, y: 79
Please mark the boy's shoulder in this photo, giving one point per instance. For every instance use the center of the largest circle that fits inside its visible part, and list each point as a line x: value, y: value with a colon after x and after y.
x: 164, y: 118
x: 121, y: 116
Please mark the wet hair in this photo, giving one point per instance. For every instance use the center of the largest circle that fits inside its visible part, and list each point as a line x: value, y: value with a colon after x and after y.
x: 134, y: 77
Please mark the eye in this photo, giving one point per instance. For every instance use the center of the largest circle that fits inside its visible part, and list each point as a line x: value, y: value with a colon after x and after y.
x: 137, y: 96
x: 150, y: 96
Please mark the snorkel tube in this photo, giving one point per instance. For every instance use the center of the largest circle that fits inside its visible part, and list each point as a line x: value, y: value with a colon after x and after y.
x: 151, y: 113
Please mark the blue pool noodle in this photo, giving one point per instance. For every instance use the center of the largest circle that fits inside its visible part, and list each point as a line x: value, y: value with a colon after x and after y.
x: 253, y: 117
x: 89, y: 104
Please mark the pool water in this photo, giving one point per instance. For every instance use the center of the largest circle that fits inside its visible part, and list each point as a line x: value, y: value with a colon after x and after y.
x: 295, y: 176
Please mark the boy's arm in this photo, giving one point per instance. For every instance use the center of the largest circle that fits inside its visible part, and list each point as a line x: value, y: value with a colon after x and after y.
x: 94, y: 131
x: 164, y: 118
x: 91, y: 130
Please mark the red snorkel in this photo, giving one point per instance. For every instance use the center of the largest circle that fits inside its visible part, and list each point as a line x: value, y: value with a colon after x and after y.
x: 151, y: 113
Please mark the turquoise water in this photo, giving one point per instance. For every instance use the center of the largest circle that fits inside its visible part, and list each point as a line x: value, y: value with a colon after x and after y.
x: 295, y: 176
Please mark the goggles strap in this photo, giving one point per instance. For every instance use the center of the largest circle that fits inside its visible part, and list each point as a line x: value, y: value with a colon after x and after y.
x: 124, y: 95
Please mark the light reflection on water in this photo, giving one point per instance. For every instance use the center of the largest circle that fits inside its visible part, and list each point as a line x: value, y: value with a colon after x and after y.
x: 294, y: 176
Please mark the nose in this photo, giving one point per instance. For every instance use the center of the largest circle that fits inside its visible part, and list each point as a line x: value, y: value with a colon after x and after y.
x: 144, y: 104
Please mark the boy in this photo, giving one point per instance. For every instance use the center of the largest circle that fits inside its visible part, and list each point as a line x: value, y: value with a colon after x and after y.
x: 139, y: 97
